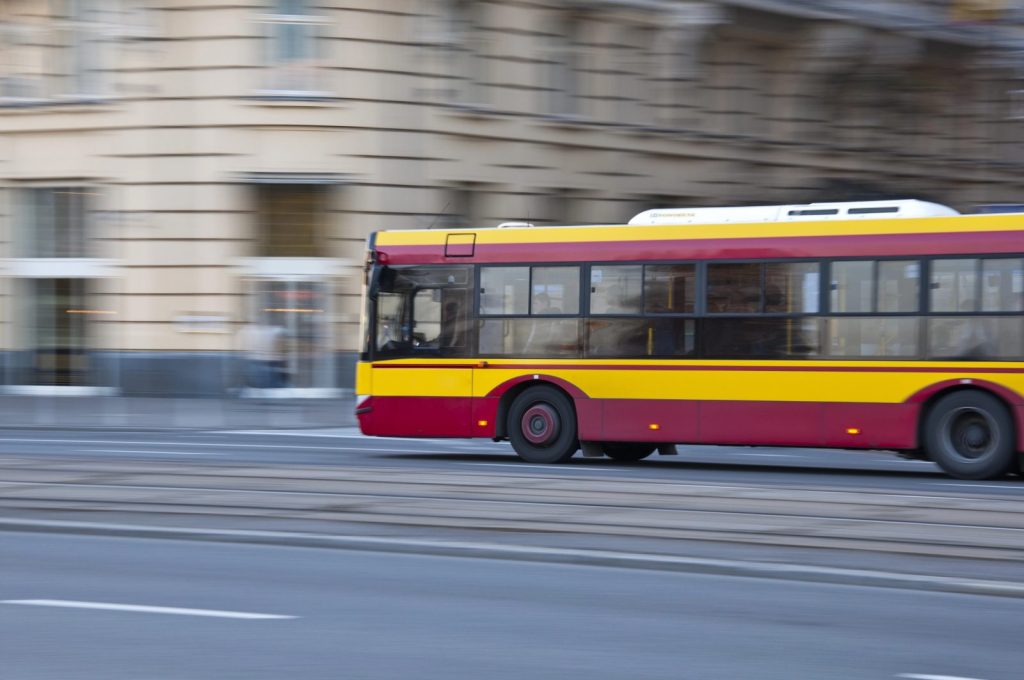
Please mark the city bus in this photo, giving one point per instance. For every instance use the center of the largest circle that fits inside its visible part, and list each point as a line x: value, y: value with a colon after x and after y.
x: 873, y: 325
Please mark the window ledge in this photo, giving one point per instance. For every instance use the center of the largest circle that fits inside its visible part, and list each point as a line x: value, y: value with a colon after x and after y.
x: 59, y: 267
x: 579, y: 121
x: 290, y: 98
x: 24, y: 105
x: 648, y: 130
x: 475, y: 110
x: 307, y: 268
x: 59, y: 391
x: 566, y: 121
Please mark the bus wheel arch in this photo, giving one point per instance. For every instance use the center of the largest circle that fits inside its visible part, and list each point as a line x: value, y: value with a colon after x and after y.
x: 540, y: 420
x: 504, y: 404
x: 969, y: 431
x: 508, y: 391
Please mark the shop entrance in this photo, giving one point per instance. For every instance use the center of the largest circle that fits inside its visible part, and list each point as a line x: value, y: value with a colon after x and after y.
x: 287, y: 344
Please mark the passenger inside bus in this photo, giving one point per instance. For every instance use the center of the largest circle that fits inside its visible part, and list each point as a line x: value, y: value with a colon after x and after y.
x: 453, y: 327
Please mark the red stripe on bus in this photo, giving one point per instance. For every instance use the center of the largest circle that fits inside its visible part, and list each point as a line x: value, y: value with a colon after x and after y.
x: 417, y: 416
x: 844, y: 425
x: 762, y: 423
x: 861, y: 245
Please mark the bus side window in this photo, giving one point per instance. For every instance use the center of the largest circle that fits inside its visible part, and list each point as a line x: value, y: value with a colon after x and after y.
x: 734, y: 288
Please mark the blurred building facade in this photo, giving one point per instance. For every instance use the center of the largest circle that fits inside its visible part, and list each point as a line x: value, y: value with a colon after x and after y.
x: 178, y: 178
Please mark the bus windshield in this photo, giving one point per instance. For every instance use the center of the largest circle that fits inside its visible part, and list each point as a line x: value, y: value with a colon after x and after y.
x: 421, y: 310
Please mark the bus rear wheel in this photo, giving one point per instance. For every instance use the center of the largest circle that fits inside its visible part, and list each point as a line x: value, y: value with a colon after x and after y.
x: 542, y: 426
x: 628, y: 452
x: 970, y: 435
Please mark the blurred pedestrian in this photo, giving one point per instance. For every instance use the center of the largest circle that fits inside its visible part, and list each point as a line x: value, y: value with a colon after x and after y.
x: 264, y: 347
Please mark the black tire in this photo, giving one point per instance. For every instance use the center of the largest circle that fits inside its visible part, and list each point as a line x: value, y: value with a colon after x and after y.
x: 970, y: 435
x: 628, y: 452
x: 542, y: 425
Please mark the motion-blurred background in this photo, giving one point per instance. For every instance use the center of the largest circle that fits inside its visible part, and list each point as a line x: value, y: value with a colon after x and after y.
x: 186, y: 182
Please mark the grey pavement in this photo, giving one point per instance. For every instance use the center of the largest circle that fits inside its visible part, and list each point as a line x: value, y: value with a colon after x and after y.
x: 157, y: 413
x: 93, y: 608
x: 332, y: 488
x: 780, y: 513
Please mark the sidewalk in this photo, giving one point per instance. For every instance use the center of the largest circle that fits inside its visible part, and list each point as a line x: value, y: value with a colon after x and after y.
x: 150, y: 413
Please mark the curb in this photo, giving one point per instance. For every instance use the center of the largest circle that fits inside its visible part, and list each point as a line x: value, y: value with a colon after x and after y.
x: 169, y: 414
x: 170, y: 428
x: 596, y: 558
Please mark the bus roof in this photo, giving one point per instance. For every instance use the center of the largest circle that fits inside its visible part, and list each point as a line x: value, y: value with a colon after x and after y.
x: 857, y: 210
x: 853, y: 237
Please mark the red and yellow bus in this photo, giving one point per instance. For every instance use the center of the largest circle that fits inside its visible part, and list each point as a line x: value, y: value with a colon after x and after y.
x: 875, y: 325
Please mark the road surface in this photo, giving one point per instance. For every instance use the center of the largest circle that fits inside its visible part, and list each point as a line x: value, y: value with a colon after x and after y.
x: 94, y: 608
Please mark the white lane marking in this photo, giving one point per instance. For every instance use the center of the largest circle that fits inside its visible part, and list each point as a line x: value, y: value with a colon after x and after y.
x: 125, y: 442
x: 146, y: 609
x: 462, y: 549
x: 99, y: 448
x: 354, y: 433
x: 918, y: 676
x: 378, y: 496
x: 475, y: 445
x: 904, y: 462
x: 339, y: 433
x: 512, y: 465
x: 1004, y: 487
x: 99, y: 444
x: 162, y: 453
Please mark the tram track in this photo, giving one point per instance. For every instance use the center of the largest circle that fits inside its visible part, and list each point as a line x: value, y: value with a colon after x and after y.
x: 906, y: 522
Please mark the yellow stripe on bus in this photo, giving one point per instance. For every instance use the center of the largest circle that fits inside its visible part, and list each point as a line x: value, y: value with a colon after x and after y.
x: 935, y: 225
x: 870, y: 386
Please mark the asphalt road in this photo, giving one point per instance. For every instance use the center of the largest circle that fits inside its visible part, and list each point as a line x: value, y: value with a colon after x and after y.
x: 345, y: 447
x: 806, y: 507
x: 92, y: 608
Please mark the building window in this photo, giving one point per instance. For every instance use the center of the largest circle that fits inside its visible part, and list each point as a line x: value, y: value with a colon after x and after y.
x: 462, y: 207
x: 54, y: 221
x: 636, y: 67
x: 82, y: 42
x: 57, y: 54
x: 292, y: 54
x: 292, y: 219
x: 563, y: 82
x: 18, y: 80
x: 465, y: 45
x: 557, y: 208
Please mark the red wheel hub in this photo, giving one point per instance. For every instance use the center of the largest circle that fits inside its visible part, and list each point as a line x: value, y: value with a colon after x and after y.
x: 540, y: 425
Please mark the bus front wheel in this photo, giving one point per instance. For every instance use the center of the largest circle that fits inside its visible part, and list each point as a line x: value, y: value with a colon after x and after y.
x: 628, y: 452
x: 969, y: 434
x: 542, y: 426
